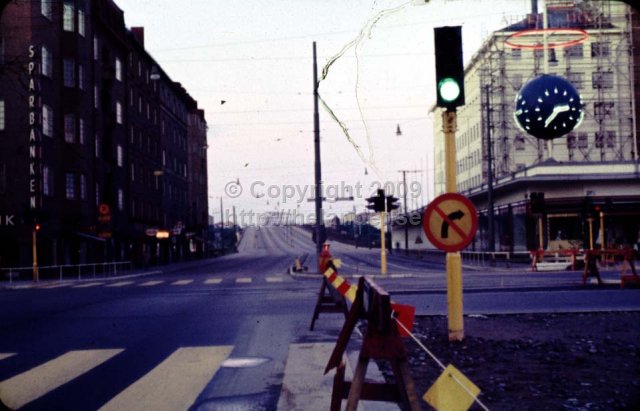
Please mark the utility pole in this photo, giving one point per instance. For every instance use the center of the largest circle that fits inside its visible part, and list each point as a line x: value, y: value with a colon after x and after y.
x: 490, y: 204
x: 317, y: 164
x: 406, y: 225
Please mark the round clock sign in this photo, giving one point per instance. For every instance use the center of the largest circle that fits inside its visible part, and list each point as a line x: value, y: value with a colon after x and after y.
x: 548, y: 107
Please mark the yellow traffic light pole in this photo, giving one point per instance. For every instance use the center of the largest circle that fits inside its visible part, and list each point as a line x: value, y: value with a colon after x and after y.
x: 383, y: 245
x: 454, y: 260
x: 36, y: 276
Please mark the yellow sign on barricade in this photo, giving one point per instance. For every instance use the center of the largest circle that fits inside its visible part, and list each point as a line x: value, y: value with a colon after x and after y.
x: 452, y: 391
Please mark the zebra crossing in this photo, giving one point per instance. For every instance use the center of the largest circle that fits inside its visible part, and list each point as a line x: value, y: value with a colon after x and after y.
x: 176, y: 381
x: 147, y: 283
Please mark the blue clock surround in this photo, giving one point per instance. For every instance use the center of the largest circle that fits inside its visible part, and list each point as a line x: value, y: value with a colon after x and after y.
x: 548, y: 107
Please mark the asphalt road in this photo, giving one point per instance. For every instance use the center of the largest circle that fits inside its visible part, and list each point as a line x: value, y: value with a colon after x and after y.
x: 227, y: 333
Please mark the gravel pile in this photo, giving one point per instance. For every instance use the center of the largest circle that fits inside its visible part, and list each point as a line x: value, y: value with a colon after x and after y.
x: 583, y: 361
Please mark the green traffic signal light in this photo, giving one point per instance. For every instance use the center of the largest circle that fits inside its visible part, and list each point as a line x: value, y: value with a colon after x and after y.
x: 449, y: 89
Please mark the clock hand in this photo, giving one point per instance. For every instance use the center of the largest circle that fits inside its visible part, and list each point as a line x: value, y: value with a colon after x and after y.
x: 557, y: 109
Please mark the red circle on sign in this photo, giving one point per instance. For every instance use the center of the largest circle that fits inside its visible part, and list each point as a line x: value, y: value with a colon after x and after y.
x: 451, y: 221
x: 103, y: 209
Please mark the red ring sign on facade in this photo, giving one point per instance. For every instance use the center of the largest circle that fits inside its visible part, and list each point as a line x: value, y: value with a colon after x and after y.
x: 450, y: 222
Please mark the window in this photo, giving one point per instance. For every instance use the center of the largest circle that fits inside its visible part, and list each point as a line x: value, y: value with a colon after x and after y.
x: 70, y: 186
x: 81, y: 131
x: 583, y: 140
x: 47, y: 62
x: 47, y: 121
x: 600, y: 49
x: 611, y: 139
x: 575, y: 79
x: 602, y: 110
x: 599, y: 140
x: 96, y: 50
x: 120, y: 199
x: 518, y: 143
x: 516, y: 53
x: 2, y: 115
x: 571, y: 141
x: 81, y: 23
x: 118, y: 69
x: 67, y: 16
x: 120, y: 156
x: 69, y: 128
x: 46, y: 183
x: 602, y: 79
x: 83, y: 186
x: 69, y: 73
x: 45, y: 8
x: 118, y: 112
x: 80, y: 76
x: 516, y: 80
x: 576, y: 51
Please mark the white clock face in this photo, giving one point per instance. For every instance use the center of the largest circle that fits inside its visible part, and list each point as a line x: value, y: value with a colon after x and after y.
x: 548, y: 107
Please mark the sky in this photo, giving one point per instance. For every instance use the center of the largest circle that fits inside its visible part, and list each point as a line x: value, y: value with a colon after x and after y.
x: 249, y: 64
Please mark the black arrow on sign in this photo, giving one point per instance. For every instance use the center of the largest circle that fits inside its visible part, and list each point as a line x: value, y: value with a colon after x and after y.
x: 444, y: 230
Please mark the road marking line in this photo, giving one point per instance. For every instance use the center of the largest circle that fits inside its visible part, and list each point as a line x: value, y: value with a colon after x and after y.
x: 274, y: 279
x: 175, y: 383
x: 182, y: 282
x: 58, y: 285
x: 213, y: 281
x: 151, y: 283
x: 87, y: 285
x: 33, y: 384
x: 6, y: 355
x: 120, y: 284
x: 243, y: 280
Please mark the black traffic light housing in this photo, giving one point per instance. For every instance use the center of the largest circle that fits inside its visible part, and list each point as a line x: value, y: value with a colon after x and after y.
x: 537, y: 202
x: 449, y: 67
x: 376, y: 203
x: 392, y: 203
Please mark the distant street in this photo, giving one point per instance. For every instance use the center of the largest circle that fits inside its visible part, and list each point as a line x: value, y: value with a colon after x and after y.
x: 226, y: 332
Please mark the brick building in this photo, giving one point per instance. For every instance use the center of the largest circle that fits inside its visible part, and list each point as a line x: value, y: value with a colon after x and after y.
x: 94, y: 140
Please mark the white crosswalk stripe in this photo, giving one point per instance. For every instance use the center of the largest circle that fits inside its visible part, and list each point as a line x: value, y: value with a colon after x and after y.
x: 213, y: 281
x: 276, y: 279
x: 151, y: 283
x: 87, y: 285
x: 182, y: 282
x: 120, y: 284
x: 175, y: 383
x: 33, y: 384
x: 243, y: 280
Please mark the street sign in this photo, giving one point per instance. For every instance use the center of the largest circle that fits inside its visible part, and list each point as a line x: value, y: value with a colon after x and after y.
x: 450, y: 222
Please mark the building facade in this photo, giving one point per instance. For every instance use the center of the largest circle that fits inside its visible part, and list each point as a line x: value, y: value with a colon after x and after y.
x: 93, y: 139
x: 597, y: 162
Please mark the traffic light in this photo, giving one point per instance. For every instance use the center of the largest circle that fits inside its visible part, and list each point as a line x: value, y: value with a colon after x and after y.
x: 449, y: 67
x: 589, y: 209
x: 537, y: 202
x: 392, y: 203
x: 376, y: 203
x: 36, y: 227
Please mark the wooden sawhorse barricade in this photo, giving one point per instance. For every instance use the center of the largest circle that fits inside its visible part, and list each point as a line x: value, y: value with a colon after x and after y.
x: 382, y: 341
x: 591, y: 266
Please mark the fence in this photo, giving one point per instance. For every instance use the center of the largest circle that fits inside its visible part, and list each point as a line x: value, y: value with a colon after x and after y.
x: 60, y: 272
